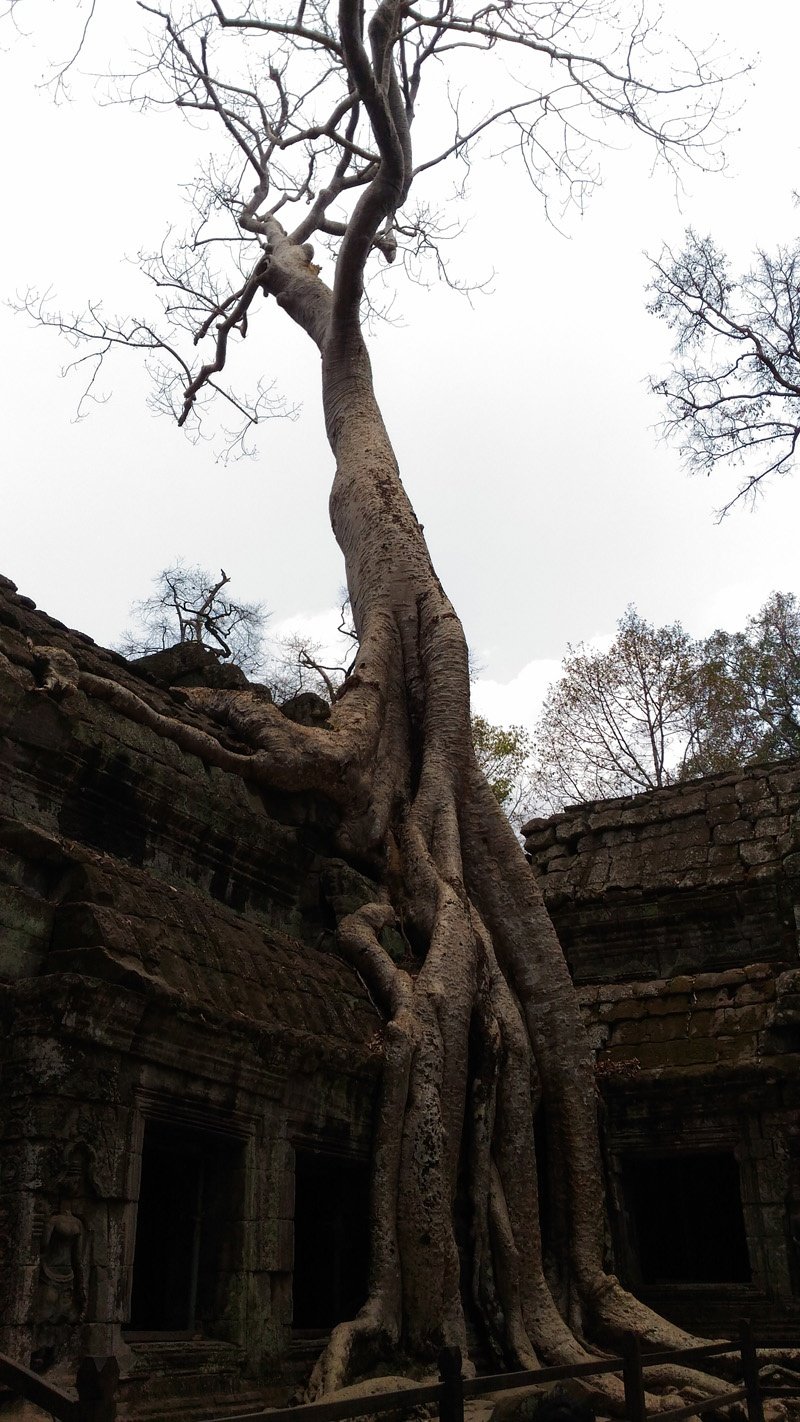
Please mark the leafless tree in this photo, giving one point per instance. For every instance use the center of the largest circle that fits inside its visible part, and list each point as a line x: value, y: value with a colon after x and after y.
x: 619, y: 720
x: 317, y: 102
x: 733, y: 394
x: 298, y: 663
x: 188, y: 605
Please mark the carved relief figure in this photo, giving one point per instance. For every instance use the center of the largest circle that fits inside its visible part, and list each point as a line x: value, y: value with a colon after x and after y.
x: 62, y: 1288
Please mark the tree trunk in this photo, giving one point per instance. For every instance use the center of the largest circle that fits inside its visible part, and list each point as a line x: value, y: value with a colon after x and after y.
x: 484, y: 1029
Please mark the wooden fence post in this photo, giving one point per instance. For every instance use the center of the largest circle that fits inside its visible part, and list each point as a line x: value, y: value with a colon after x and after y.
x: 451, y: 1406
x: 755, y: 1410
x: 633, y: 1378
x: 96, y: 1383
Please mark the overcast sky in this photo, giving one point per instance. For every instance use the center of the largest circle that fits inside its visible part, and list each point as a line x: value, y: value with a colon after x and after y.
x: 523, y: 422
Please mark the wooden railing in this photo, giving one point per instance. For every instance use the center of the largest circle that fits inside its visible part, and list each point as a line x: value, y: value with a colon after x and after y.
x: 452, y: 1390
x: 95, y: 1383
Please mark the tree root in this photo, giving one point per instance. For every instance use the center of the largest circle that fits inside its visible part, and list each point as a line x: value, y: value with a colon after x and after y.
x: 287, y: 756
x: 485, y: 1030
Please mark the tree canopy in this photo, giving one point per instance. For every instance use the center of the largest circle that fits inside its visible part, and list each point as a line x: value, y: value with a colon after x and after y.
x: 188, y: 604
x: 659, y: 706
x: 620, y: 720
x: 733, y: 394
x: 323, y: 119
x: 503, y: 753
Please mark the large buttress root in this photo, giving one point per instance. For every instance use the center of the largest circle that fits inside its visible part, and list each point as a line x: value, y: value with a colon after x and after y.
x: 378, y: 1324
x: 460, y: 1049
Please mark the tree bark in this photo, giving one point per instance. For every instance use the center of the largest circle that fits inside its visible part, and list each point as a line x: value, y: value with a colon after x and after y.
x: 485, y: 1028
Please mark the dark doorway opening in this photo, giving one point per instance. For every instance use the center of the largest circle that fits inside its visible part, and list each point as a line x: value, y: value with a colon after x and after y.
x: 687, y: 1221
x: 331, y: 1239
x: 190, y: 1187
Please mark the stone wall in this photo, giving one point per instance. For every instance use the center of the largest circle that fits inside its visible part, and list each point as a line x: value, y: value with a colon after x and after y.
x: 167, y: 970
x: 166, y: 973
x: 695, y: 876
x: 678, y: 911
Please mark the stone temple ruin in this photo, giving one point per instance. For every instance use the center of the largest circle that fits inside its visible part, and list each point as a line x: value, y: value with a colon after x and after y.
x: 188, y: 1071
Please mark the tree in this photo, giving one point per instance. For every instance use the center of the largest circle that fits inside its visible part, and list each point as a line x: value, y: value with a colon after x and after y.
x: 486, y: 1030
x: 300, y: 664
x: 747, y: 691
x: 502, y: 754
x: 659, y: 707
x: 733, y: 395
x: 188, y: 605
x: 767, y: 664
x: 621, y: 720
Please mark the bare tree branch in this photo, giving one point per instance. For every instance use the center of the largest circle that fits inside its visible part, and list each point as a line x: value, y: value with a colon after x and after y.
x: 733, y: 395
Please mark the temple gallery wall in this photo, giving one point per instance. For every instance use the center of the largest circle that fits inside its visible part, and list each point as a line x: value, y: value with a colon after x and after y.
x: 188, y: 1072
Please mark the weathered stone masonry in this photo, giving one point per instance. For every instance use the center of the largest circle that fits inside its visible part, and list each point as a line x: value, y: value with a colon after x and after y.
x: 678, y: 911
x: 166, y: 995
x: 189, y: 1071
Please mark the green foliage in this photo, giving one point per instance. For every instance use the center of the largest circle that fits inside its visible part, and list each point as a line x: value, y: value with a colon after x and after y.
x: 503, y: 754
x: 748, y: 690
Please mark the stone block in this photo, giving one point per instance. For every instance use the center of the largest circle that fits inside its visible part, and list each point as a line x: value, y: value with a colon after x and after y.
x: 722, y: 856
x: 754, y: 787
x: 742, y: 1047
x: 784, y: 781
x: 771, y: 824
x: 731, y: 977
x: 760, y: 809
x: 722, y: 794
x: 690, y: 802
x: 764, y: 871
x: 732, y: 832
x: 723, y: 812
x: 700, y: 1023
x: 758, y: 852
x: 274, y: 1244
x: 756, y: 972
x: 731, y: 1021
x: 748, y: 994
x: 773, y: 1185
x: 671, y: 1004
x: 675, y: 1055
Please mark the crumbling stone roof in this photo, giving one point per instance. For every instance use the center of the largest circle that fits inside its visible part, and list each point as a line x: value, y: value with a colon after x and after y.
x: 125, y: 859
x: 719, y: 830
x: 691, y: 878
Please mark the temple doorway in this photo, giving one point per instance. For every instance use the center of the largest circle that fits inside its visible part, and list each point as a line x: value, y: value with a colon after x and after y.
x: 687, y: 1220
x: 331, y: 1239
x: 190, y: 1183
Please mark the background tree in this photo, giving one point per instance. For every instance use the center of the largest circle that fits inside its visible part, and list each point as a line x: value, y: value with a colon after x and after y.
x: 503, y: 755
x: 298, y: 663
x: 747, y: 691
x: 733, y: 394
x: 487, y: 1026
x: 618, y: 721
x: 660, y: 706
x: 189, y: 605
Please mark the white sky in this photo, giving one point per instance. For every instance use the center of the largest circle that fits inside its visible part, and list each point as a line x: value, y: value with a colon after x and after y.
x: 523, y: 424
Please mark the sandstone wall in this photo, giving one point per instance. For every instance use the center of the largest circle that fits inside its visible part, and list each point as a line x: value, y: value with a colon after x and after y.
x: 678, y: 911
x: 695, y: 876
x: 165, y: 965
